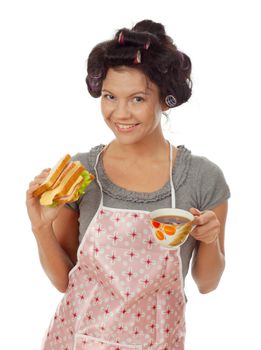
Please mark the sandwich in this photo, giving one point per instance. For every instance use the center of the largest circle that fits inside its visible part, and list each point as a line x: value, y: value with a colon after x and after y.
x: 65, y: 183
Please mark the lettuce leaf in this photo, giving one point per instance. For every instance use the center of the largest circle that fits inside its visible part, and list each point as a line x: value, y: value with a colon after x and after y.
x: 87, y: 179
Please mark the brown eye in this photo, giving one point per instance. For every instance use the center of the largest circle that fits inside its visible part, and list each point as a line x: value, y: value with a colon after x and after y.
x: 108, y: 97
x: 138, y: 99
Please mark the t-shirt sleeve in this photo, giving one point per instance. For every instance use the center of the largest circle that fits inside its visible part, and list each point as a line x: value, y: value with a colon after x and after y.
x: 88, y: 160
x: 212, y: 188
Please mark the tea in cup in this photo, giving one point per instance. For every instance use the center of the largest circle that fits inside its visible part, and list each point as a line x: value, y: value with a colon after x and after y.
x: 171, y: 226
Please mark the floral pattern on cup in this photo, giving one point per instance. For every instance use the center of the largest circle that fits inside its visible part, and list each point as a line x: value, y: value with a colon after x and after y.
x: 171, y: 235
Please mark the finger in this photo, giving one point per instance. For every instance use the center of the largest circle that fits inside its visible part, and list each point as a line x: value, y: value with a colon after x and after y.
x: 35, y: 183
x: 43, y: 175
x: 205, y: 218
x: 195, y: 211
x: 205, y: 237
x: 32, y: 187
x: 44, y: 172
x: 205, y: 228
x: 39, y: 179
x: 29, y: 195
x: 196, y: 214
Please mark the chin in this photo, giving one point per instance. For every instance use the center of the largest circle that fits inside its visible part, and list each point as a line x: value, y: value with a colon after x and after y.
x: 128, y: 140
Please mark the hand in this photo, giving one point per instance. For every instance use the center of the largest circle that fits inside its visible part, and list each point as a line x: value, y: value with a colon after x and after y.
x: 39, y: 215
x: 207, y: 226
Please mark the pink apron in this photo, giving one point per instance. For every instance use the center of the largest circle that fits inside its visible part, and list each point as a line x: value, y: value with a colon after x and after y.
x: 125, y: 292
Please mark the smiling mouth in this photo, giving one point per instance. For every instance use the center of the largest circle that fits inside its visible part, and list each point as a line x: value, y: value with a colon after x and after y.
x: 126, y: 126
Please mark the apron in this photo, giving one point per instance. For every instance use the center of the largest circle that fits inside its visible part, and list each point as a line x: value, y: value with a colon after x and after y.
x: 125, y: 292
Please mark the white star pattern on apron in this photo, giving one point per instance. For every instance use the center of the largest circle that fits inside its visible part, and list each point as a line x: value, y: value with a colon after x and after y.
x: 125, y: 292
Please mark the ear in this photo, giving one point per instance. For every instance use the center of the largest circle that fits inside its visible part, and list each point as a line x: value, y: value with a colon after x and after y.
x: 164, y: 107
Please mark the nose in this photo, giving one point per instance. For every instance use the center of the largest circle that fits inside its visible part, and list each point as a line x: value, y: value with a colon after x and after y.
x: 121, y: 111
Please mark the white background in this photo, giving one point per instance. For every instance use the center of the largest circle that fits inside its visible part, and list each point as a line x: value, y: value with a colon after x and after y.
x: 46, y: 112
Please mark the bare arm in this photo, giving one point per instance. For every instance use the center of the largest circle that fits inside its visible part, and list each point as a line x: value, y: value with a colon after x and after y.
x: 56, y: 232
x: 209, y: 262
x: 57, y: 245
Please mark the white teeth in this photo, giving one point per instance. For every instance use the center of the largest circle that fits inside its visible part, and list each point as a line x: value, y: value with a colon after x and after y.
x: 124, y: 126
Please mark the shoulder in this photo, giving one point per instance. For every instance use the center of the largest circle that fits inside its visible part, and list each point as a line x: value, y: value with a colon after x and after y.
x: 88, y: 159
x: 195, y: 165
x: 204, y: 166
x: 205, y: 179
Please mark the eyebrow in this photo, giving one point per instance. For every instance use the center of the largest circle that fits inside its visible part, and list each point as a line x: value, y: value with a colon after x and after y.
x: 133, y: 94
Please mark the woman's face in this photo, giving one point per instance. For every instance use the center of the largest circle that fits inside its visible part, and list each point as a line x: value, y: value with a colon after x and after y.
x: 130, y: 105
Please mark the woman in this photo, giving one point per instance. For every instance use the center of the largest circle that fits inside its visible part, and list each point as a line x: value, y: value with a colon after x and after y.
x: 122, y: 290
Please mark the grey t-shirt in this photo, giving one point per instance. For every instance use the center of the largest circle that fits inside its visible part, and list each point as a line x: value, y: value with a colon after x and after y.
x: 198, y: 183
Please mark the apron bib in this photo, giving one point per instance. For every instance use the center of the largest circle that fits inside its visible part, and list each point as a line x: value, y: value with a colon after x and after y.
x: 125, y: 292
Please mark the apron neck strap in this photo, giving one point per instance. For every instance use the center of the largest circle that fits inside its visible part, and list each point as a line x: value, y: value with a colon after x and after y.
x: 173, y: 196
x: 96, y: 173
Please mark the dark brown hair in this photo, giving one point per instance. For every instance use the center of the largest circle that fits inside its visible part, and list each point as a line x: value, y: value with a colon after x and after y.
x: 145, y: 47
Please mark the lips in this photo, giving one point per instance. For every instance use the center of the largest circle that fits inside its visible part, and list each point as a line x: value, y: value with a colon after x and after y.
x: 126, y: 127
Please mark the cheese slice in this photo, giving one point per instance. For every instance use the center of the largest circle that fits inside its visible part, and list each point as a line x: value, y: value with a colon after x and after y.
x: 76, y: 168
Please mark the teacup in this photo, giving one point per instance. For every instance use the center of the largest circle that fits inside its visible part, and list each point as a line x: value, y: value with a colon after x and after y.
x: 171, y: 226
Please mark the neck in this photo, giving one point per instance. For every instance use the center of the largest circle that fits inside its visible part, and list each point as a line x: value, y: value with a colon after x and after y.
x: 142, y: 149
